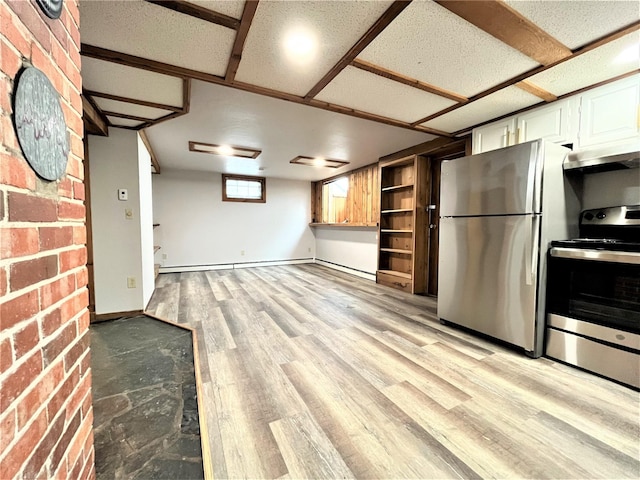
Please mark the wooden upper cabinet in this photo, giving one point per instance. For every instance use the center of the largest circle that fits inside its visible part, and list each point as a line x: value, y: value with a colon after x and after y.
x: 402, y: 228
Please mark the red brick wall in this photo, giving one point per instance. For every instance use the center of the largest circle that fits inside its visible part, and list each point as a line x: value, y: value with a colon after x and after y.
x: 45, y: 377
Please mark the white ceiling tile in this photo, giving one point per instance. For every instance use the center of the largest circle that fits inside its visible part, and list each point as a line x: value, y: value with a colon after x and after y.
x: 371, y: 93
x: 126, y: 108
x: 337, y: 26
x: 232, y: 8
x: 150, y: 31
x: 492, y: 106
x: 116, y: 79
x: 590, y: 68
x: 123, y: 122
x: 429, y: 43
x: 578, y: 22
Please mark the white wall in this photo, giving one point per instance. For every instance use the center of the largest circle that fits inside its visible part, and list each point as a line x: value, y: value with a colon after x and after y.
x: 354, y: 248
x: 608, y: 189
x: 146, y: 221
x: 199, y: 229
x: 122, y: 247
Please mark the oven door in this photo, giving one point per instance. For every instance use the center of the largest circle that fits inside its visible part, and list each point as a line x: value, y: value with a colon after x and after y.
x: 593, y: 311
x: 597, y: 286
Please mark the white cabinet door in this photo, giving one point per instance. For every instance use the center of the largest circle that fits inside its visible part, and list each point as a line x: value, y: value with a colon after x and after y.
x: 551, y: 123
x: 610, y: 113
x: 493, y: 136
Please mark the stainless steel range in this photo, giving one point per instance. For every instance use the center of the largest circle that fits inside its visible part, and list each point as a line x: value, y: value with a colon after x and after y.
x: 593, y: 295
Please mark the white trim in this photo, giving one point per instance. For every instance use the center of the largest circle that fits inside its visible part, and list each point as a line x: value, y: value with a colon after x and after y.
x: 352, y: 271
x: 273, y: 263
x: 231, y: 266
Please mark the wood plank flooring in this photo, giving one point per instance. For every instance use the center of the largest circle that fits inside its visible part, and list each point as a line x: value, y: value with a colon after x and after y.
x: 313, y: 373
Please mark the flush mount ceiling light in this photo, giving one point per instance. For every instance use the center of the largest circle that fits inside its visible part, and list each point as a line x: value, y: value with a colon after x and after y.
x: 300, y: 45
x: 224, y: 150
x: 318, y: 162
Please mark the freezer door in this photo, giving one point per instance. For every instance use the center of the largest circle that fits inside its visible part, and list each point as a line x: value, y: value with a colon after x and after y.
x: 500, y: 182
x: 487, y: 276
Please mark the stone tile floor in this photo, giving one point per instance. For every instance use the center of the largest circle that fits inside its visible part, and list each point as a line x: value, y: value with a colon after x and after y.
x: 144, y: 401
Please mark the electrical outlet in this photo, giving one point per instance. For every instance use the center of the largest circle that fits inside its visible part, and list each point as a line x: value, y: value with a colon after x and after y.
x: 165, y: 256
x: 131, y: 282
x: 309, y: 249
x: 123, y: 194
x: 128, y: 214
x: 242, y: 252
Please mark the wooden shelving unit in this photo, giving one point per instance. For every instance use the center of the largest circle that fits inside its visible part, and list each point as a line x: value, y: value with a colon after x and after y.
x: 402, y: 228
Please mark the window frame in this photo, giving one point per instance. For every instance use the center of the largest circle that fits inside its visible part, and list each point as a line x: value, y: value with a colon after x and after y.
x: 261, y: 180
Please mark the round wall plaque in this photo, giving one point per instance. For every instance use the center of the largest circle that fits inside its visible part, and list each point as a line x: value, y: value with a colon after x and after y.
x: 40, y: 124
x: 51, y: 8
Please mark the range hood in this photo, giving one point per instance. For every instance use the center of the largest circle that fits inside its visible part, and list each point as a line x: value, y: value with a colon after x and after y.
x: 613, y: 157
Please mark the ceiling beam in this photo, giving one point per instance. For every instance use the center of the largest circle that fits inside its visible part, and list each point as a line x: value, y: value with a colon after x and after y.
x: 197, y: 11
x: 93, y: 116
x: 506, y: 24
x: 539, y: 92
x: 128, y: 117
x: 186, y: 95
x: 184, y: 73
x: 512, y: 81
x: 387, y: 17
x: 135, y: 101
x: 412, y: 82
x: 154, y: 158
x: 424, y: 148
x: 248, y: 13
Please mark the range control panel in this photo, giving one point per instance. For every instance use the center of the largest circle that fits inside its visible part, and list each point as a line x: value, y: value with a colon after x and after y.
x: 619, y: 216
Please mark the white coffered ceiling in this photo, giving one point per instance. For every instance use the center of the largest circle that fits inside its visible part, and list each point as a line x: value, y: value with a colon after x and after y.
x: 220, y: 70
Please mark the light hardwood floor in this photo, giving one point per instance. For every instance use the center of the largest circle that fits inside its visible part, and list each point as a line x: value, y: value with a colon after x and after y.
x: 312, y: 373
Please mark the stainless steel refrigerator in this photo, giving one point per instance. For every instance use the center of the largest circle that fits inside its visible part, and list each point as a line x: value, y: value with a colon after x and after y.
x: 499, y: 210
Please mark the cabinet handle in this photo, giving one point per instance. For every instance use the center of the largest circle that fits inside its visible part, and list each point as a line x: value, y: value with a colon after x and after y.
x: 505, y: 139
x: 518, y: 135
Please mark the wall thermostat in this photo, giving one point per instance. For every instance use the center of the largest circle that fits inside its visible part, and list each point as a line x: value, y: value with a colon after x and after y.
x: 123, y: 194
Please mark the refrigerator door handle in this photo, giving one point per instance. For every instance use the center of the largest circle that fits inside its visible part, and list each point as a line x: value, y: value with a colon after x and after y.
x: 531, y: 180
x: 531, y: 260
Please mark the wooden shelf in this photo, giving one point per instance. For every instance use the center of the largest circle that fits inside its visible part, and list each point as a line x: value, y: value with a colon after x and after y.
x: 156, y: 248
x: 398, y: 210
x: 401, y: 236
x: 396, y: 274
x: 397, y: 187
x: 344, y: 225
x: 396, y: 250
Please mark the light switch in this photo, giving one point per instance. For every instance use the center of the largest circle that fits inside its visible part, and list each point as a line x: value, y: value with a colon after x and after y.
x: 123, y: 194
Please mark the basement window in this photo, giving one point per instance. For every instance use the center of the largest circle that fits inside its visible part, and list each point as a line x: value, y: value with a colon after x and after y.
x: 243, y: 188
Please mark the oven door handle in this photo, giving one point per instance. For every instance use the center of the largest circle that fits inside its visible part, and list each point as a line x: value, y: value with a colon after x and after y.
x: 596, y: 255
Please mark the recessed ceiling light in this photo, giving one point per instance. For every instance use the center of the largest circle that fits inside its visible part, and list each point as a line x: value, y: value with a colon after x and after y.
x: 629, y: 54
x: 224, y: 150
x: 318, y: 162
x: 300, y: 45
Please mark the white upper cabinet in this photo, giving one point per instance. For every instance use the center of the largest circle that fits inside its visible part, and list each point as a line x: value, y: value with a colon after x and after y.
x: 551, y: 122
x: 610, y: 113
x: 556, y: 122
x: 606, y: 114
x: 493, y: 136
